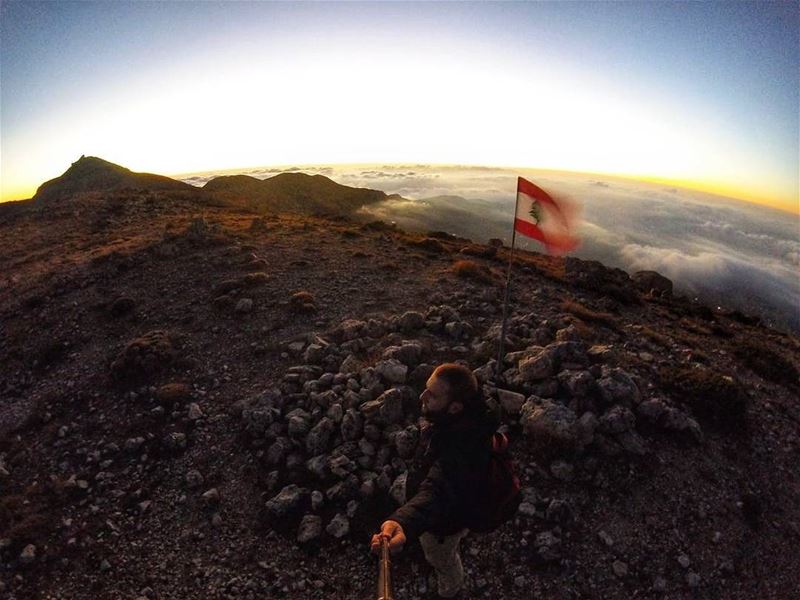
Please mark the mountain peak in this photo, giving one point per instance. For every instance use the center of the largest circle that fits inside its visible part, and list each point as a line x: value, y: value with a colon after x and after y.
x: 93, y: 174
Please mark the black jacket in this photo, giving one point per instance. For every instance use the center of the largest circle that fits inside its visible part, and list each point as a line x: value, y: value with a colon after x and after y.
x: 450, y: 462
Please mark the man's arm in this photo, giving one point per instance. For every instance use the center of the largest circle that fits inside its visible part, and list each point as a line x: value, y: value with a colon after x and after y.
x: 434, y: 500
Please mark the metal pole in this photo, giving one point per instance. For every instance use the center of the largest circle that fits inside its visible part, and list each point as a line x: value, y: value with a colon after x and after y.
x: 499, y: 364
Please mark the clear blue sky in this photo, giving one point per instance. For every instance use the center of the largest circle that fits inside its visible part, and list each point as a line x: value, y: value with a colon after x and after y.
x: 701, y: 93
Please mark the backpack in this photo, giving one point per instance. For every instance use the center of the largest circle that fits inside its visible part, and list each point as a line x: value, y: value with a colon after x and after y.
x: 500, y: 494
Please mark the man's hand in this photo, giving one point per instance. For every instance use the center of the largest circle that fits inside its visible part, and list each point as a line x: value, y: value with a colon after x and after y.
x: 392, y: 531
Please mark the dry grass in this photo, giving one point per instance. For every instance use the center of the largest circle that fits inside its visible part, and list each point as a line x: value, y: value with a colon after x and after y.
x: 767, y: 363
x: 467, y: 269
x: 302, y: 302
x: 587, y: 314
x: 655, y: 337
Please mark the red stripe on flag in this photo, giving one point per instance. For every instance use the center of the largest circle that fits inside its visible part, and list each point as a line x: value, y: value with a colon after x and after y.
x: 534, y: 191
x: 529, y: 229
x: 553, y: 243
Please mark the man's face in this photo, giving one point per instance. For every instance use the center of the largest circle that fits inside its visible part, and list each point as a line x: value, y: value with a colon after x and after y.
x: 435, y: 400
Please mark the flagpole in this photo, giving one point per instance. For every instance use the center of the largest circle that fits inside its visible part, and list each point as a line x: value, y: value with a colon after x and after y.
x: 499, y: 364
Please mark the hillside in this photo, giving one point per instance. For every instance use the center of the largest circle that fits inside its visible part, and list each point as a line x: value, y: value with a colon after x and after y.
x: 292, y: 192
x: 201, y: 401
x: 92, y: 174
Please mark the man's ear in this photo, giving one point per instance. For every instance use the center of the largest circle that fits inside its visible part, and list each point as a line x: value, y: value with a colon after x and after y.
x: 455, y: 407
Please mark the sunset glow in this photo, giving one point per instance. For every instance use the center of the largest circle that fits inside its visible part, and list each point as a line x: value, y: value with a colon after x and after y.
x: 285, y: 84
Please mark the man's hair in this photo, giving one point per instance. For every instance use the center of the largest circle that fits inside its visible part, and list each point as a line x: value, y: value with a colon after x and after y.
x: 462, y: 384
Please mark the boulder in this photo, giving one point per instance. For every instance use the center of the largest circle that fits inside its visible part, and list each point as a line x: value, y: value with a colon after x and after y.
x: 411, y: 321
x: 286, y: 501
x: 618, y: 419
x: 510, y: 401
x: 339, y: 526
x: 535, y: 368
x: 319, y: 436
x: 549, y: 426
x: 653, y: 283
x: 617, y: 387
x: 392, y: 371
x: 310, y: 528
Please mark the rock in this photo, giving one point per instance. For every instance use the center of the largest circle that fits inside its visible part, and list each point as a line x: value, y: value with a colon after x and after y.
x: 351, y: 365
x: 558, y: 511
x: 406, y: 441
x: 651, y: 411
x: 618, y: 419
x: 579, y: 384
x: 194, y: 478
x: 677, y: 420
x: 548, y: 546
x: 692, y: 579
x: 211, y: 497
x: 286, y: 501
x: 387, y: 409
x: 133, y: 445
x: 398, y: 489
x: 620, y: 568
x: 319, y: 436
x: 605, y: 538
x: 175, y: 441
x: 684, y: 561
x: 145, y: 356
x: 244, y: 305
x: 277, y: 451
x: 411, y: 321
x: 510, y: 401
x: 298, y: 425
x: 617, y: 387
x: 651, y: 282
x: 339, y: 526
x: 318, y: 466
x: 584, y: 429
x: 392, y: 371
x: 409, y: 353
x: 568, y: 355
x: 195, y: 412
x: 350, y: 329
x: 540, y: 366
x: 659, y: 585
x: 310, y: 528
x: 352, y: 425
x: 317, y: 500
x: 28, y: 554
x: 550, y: 426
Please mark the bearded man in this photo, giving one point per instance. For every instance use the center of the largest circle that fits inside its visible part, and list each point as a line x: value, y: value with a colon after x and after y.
x: 454, y: 450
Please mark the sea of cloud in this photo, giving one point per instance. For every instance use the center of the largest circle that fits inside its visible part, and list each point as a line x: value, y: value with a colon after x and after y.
x: 721, y: 250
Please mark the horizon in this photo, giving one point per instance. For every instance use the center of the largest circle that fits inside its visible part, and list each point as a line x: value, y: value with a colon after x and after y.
x: 651, y: 92
x: 297, y: 167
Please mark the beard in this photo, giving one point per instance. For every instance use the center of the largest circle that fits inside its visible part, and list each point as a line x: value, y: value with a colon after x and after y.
x: 439, y: 417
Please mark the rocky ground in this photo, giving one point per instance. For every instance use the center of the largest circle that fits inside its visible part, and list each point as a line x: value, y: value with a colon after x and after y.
x: 200, y: 402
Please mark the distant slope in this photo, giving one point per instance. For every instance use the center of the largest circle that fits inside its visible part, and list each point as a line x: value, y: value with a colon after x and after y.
x: 293, y: 192
x: 92, y: 174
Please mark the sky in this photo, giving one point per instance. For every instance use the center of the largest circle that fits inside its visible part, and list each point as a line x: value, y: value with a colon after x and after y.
x: 703, y: 95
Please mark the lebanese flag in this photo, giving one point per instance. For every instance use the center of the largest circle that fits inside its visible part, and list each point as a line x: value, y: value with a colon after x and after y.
x: 540, y: 217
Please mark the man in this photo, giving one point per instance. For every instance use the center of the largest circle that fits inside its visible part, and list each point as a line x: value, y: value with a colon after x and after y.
x: 451, y: 460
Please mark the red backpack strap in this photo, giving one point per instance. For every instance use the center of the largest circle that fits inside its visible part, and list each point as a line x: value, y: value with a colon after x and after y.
x: 499, y: 442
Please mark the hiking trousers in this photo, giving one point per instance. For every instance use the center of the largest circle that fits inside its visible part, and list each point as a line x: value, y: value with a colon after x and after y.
x: 443, y: 555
